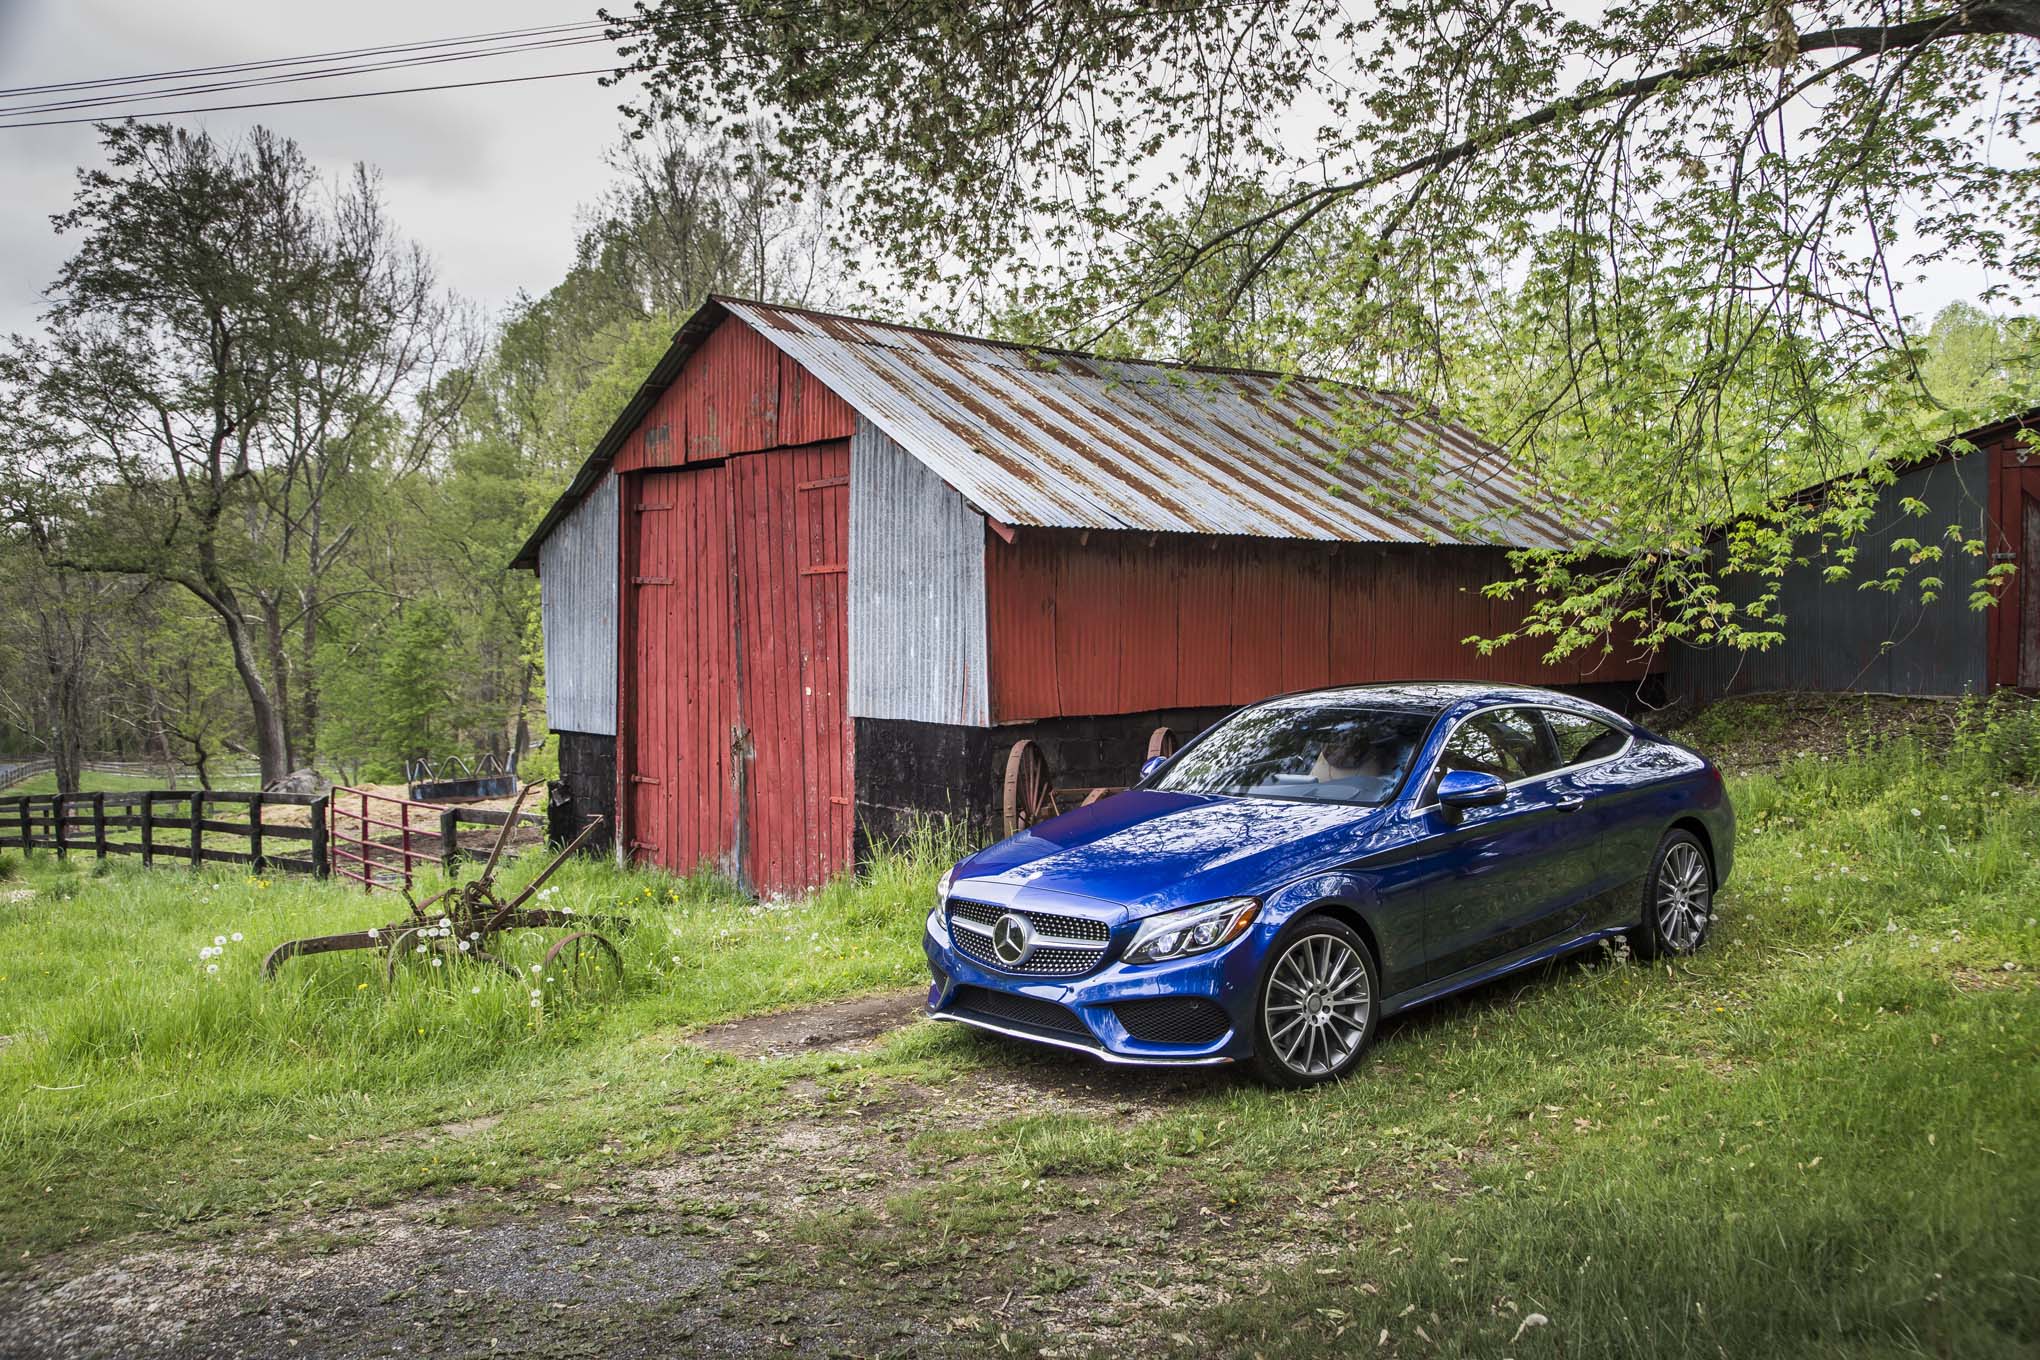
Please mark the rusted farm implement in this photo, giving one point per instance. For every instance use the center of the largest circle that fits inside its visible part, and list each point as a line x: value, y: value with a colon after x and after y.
x: 455, y: 927
x: 1032, y: 796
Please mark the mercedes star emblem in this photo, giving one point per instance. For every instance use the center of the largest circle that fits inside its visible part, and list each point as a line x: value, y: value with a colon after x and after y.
x: 1013, y: 939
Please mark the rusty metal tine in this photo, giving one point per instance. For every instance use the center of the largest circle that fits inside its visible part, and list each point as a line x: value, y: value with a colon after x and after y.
x: 503, y: 836
x: 594, y: 823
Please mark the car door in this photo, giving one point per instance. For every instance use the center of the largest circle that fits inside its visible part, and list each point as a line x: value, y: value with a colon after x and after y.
x: 1619, y: 833
x: 1510, y: 875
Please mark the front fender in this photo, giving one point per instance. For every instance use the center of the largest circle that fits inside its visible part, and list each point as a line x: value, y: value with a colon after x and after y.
x: 1352, y: 895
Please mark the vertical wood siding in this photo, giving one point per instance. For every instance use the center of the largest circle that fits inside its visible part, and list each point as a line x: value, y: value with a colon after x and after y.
x: 791, y: 518
x: 737, y: 394
x: 739, y: 754
x: 917, y: 591
x: 1841, y: 637
x: 1126, y: 623
x: 577, y: 600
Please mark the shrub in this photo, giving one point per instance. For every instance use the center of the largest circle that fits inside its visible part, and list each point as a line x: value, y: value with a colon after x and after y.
x: 1999, y: 738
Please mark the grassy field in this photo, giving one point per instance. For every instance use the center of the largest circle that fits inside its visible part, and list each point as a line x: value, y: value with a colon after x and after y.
x: 107, y: 781
x: 1820, y: 1138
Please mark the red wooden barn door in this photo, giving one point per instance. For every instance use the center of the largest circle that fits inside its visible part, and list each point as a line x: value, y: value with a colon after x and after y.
x: 2018, y: 518
x: 680, y: 694
x: 792, y: 541
x: 736, y: 667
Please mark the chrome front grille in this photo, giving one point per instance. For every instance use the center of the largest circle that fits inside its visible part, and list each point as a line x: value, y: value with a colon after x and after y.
x: 1063, y: 945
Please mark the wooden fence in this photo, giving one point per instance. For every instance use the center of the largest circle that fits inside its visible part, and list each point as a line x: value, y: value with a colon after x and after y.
x: 189, y: 826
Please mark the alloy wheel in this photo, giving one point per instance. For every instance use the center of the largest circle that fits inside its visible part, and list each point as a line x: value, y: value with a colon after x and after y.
x: 1684, y: 897
x: 1318, y: 1004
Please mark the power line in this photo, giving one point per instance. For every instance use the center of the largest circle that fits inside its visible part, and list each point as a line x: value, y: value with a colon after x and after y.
x: 298, y: 77
x: 313, y: 99
x: 275, y: 62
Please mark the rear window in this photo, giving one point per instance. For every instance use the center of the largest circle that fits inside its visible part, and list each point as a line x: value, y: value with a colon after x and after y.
x: 1332, y: 754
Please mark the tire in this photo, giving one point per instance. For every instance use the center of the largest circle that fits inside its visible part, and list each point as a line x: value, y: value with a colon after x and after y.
x: 1678, y: 898
x: 1333, y: 1037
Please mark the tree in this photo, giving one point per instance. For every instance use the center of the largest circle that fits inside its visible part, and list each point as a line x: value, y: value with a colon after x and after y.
x: 1658, y: 249
x: 230, y: 344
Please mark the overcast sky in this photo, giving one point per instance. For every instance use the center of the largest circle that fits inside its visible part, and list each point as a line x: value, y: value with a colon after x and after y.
x: 488, y: 180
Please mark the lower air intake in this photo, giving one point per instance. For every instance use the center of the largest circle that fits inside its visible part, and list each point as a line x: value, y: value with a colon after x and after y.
x: 1174, y: 1020
x: 1021, y: 1010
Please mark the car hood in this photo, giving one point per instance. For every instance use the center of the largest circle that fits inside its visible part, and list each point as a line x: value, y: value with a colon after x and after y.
x: 1149, y: 851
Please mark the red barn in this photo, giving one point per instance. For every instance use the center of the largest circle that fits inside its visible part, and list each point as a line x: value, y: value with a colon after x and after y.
x: 823, y: 574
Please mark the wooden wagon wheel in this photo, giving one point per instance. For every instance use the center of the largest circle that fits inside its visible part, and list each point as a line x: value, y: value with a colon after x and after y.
x: 585, y: 964
x: 1095, y: 794
x: 1162, y: 742
x: 1030, y: 794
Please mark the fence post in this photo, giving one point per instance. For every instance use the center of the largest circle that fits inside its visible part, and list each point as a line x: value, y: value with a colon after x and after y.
x: 197, y: 832
x: 449, y: 837
x: 148, y: 829
x: 21, y: 808
x: 255, y: 833
x: 322, y: 865
x: 99, y: 825
x: 57, y: 820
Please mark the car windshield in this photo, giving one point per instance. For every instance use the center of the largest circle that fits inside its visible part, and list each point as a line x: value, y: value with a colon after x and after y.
x: 1331, y: 753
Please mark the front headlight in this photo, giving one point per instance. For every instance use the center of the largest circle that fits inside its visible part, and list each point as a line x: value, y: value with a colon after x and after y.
x: 938, y: 919
x: 1193, y: 930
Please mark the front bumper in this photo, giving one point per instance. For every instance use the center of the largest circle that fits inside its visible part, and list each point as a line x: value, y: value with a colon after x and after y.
x: 1080, y: 1011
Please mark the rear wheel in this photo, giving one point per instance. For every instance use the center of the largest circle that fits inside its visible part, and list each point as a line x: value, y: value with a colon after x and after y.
x: 1678, y: 898
x: 1315, y: 1010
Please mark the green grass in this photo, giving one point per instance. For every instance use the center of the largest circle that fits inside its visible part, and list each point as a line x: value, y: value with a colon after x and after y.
x: 95, y: 781
x: 1818, y: 1138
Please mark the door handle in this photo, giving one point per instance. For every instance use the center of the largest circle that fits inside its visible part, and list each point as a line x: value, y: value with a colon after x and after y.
x: 1571, y: 804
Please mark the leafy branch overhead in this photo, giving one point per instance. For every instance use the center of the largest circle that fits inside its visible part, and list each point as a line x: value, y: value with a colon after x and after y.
x: 1660, y: 251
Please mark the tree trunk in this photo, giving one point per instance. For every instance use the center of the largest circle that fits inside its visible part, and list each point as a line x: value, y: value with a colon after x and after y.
x: 308, y: 690
x: 279, y: 672
x: 272, y: 746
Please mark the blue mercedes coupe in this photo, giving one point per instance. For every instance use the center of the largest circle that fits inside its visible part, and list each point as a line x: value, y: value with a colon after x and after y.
x: 1315, y: 862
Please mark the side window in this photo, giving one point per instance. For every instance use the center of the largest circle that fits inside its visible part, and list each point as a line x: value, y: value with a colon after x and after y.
x: 1504, y: 742
x: 1581, y: 739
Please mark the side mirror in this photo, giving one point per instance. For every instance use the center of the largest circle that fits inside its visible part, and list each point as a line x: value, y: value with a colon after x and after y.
x: 1470, y: 788
x: 1151, y: 764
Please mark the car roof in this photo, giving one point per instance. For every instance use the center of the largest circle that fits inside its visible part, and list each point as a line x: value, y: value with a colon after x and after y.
x: 1434, y: 697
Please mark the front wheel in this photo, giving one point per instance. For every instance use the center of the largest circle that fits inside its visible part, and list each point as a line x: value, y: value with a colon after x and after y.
x: 1316, y: 1007
x: 1678, y: 898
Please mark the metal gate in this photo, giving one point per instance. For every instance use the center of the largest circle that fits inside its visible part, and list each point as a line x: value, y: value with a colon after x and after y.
x: 376, y: 840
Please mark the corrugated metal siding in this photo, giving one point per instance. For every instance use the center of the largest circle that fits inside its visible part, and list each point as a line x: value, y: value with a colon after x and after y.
x: 917, y: 591
x: 1074, y: 441
x: 577, y: 600
x: 1840, y: 637
x: 1129, y: 623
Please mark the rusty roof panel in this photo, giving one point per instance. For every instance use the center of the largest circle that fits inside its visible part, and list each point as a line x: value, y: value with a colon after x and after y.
x: 1077, y: 441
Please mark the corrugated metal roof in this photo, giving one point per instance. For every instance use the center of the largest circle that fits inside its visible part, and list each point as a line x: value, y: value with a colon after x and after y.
x: 1071, y: 440
x: 1061, y: 439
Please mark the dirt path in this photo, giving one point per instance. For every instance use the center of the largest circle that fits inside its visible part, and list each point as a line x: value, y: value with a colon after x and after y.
x: 712, y: 1254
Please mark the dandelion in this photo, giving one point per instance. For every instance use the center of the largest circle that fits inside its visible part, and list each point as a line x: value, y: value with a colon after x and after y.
x: 538, y: 1001
x: 1915, y: 812
x: 437, y: 962
x: 473, y: 991
x: 237, y: 937
x: 212, y: 968
x: 219, y: 939
x: 537, y: 995
x: 537, y: 968
x: 374, y: 934
x: 465, y: 946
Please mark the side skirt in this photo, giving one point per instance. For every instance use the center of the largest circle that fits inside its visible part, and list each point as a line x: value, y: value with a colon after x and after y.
x: 1488, y: 972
